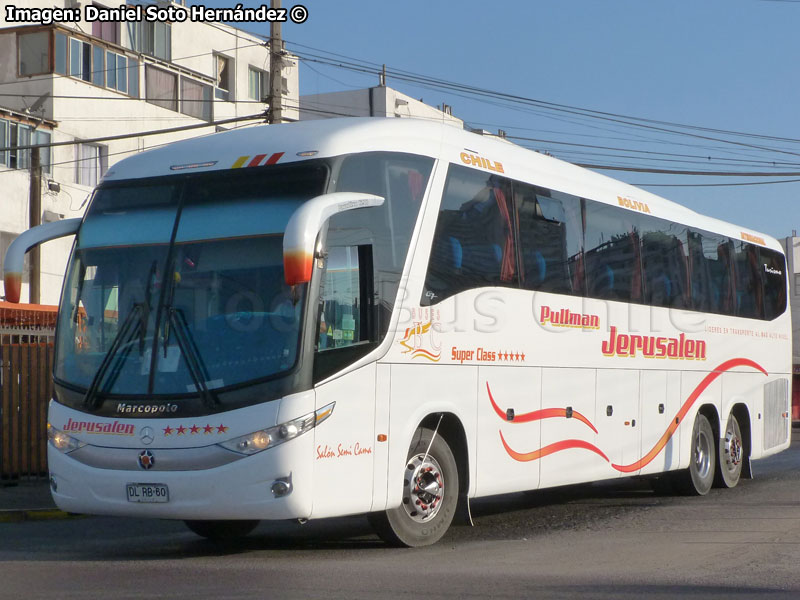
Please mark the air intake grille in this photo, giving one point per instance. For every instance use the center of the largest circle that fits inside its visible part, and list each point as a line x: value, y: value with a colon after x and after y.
x: 776, y: 413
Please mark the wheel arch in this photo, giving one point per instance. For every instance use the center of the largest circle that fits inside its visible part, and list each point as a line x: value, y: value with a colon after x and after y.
x: 709, y: 411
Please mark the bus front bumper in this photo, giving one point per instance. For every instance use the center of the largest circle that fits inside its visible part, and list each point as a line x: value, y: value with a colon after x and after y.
x: 272, y: 484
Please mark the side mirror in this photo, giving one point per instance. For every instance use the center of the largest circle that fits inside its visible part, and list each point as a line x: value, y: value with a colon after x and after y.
x: 306, y: 222
x: 15, y: 255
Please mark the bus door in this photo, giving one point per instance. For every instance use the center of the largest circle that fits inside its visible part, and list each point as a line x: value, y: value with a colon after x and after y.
x: 344, y: 446
x: 661, y: 402
x: 619, y: 422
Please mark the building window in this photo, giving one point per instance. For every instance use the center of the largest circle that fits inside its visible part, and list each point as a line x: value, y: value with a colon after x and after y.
x: 4, y: 143
x: 33, y: 51
x: 161, y: 88
x: 196, y: 100
x: 61, y: 53
x: 94, y: 64
x: 117, y: 72
x: 92, y: 162
x: 15, y: 134
x: 153, y: 39
x: 258, y: 82
x: 105, y: 30
x: 224, y: 75
x: 133, y: 77
x: 80, y: 59
x: 43, y: 137
x: 19, y: 135
x: 98, y: 69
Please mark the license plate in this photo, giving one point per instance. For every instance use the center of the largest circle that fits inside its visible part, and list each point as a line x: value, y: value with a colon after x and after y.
x: 147, y: 492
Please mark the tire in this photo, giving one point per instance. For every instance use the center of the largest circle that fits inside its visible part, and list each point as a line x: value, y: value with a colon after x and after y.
x: 699, y: 477
x: 730, y: 457
x: 221, y: 530
x: 430, y: 495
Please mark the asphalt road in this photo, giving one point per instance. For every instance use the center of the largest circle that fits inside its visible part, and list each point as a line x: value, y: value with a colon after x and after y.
x: 609, y: 540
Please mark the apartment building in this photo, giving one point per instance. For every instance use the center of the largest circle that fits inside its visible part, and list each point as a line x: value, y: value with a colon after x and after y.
x: 81, y: 80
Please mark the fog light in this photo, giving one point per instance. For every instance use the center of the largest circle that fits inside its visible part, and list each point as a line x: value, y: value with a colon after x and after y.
x: 281, y: 487
x: 53, y: 484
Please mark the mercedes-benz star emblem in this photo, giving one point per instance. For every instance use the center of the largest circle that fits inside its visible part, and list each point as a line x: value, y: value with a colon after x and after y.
x: 146, y: 459
x: 147, y: 436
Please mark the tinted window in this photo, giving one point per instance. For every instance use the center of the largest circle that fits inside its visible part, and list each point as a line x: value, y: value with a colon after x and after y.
x: 664, y: 263
x: 401, y: 180
x: 550, y: 240
x: 611, y: 241
x: 473, y: 245
x: 749, y: 295
x: 773, y: 267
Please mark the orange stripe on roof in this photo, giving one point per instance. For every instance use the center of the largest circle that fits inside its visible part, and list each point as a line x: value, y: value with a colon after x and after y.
x: 239, y: 162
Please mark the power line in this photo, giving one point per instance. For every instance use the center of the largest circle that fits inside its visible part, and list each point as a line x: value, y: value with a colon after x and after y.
x: 123, y: 136
x: 396, y: 72
x: 716, y: 184
x: 682, y: 172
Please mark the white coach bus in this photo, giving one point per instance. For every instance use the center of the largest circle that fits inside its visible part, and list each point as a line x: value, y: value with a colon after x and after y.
x: 390, y: 316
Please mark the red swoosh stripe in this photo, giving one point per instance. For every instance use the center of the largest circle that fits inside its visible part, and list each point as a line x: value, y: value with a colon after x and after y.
x: 546, y: 413
x: 673, y: 426
x: 551, y: 449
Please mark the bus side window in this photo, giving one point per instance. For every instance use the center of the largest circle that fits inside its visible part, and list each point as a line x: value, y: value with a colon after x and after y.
x: 749, y: 295
x: 340, y: 300
x: 550, y: 238
x: 773, y: 274
x: 664, y: 264
x: 401, y: 180
x: 613, y: 265
x: 473, y: 245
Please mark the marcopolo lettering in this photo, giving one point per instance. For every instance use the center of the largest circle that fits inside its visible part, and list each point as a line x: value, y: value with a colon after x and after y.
x: 115, y: 428
x: 648, y: 346
x: 146, y: 409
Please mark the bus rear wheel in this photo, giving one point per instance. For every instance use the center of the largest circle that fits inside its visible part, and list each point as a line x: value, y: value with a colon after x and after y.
x: 221, y: 530
x: 699, y: 477
x: 430, y: 495
x: 730, y: 455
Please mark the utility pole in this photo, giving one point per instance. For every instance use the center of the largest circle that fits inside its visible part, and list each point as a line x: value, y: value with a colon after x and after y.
x: 34, y: 219
x: 275, y: 71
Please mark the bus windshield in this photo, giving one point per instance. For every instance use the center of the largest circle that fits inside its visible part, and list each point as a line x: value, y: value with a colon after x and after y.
x: 176, y: 285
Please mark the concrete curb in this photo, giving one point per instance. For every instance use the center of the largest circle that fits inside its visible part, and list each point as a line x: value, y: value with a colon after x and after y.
x: 35, y: 514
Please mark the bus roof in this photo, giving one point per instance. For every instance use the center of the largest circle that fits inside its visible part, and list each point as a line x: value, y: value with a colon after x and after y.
x: 305, y: 140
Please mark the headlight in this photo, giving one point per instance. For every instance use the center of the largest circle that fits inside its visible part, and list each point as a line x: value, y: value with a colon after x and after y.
x: 268, y: 438
x: 63, y: 442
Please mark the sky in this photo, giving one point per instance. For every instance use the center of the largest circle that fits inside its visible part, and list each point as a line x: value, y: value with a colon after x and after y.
x: 673, y: 84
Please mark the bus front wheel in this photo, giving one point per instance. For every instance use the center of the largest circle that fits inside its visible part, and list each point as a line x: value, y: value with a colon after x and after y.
x: 698, y: 478
x: 221, y: 530
x: 430, y: 494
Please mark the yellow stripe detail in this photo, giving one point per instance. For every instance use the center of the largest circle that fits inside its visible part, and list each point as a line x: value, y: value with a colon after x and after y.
x: 239, y: 162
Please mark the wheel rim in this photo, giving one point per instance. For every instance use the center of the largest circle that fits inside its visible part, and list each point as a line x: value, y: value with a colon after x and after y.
x: 423, y: 489
x: 702, y: 454
x: 733, y: 447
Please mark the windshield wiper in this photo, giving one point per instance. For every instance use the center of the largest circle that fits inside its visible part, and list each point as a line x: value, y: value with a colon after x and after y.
x: 130, y: 326
x: 194, y: 360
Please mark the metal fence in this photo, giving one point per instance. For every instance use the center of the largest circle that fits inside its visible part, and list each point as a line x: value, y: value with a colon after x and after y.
x: 26, y: 386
